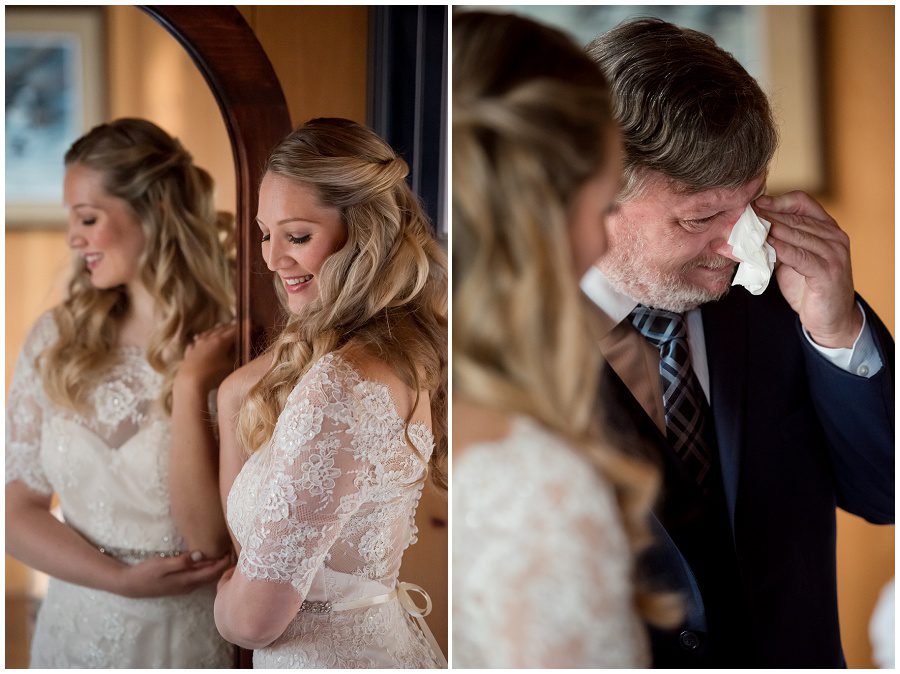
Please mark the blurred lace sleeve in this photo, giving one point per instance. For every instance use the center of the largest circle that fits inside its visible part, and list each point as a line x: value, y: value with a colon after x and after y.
x: 25, y: 409
x: 315, y: 478
x: 541, y: 564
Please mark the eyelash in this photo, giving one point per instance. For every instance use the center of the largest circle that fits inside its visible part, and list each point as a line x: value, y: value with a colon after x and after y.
x: 296, y: 240
x: 700, y: 222
x: 89, y: 221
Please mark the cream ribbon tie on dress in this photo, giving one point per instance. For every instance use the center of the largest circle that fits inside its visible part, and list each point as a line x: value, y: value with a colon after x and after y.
x: 401, y: 593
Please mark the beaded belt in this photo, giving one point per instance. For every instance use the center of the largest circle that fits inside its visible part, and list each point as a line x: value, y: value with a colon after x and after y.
x: 140, y: 555
x: 401, y: 592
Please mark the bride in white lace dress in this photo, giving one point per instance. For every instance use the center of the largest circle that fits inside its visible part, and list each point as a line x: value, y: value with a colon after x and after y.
x: 97, y: 415
x: 544, y: 512
x: 341, y: 418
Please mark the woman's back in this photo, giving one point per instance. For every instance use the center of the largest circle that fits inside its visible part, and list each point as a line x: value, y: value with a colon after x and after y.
x: 328, y: 506
x: 541, y: 565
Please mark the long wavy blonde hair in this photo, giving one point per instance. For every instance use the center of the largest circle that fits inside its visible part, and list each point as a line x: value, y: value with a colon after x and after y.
x: 185, y: 263
x: 384, y: 291
x: 531, y: 125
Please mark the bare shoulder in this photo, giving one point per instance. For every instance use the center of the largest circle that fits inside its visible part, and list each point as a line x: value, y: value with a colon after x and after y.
x: 370, y: 366
x: 237, y: 385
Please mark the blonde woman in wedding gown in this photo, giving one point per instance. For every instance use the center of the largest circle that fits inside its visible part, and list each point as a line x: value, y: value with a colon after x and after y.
x: 546, y: 515
x: 344, y: 415
x: 88, y: 416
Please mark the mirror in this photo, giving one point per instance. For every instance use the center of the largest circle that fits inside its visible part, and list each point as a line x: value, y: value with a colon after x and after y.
x: 145, y: 72
x: 69, y: 69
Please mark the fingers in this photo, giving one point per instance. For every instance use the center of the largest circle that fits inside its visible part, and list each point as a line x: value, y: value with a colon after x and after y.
x: 811, y: 240
x: 186, y: 561
x: 183, y: 574
x: 202, y: 576
x: 795, y: 203
x: 224, y: 331
x: 224, y: 328
x: 825, y: 229
x: 175, y: 564
x: 803, y: 261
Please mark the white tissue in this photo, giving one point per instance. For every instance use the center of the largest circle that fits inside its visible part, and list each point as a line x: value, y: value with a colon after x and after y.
x: 748, y: 242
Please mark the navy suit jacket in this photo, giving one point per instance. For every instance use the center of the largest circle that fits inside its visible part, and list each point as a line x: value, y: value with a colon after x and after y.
x: 797, y: 437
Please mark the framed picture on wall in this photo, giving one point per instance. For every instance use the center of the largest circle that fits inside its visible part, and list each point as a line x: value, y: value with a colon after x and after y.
x: 777, y: 45
x: 54, y: 93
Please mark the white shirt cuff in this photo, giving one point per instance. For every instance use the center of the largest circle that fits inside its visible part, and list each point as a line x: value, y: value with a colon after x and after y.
x: 861, y: 359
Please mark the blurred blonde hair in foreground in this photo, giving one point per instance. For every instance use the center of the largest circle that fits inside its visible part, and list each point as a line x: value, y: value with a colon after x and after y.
x: 531, y: 125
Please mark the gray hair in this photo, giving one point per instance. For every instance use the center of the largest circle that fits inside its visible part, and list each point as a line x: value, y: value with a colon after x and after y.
x: 686, y: 107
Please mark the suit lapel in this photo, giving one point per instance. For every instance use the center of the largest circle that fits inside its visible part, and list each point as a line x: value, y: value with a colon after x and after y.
x: 636, y: 363
x: 725, y: 330
x: 632, y: 429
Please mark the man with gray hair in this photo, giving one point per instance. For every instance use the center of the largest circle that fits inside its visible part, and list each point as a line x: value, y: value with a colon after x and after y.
x: 763, y: 412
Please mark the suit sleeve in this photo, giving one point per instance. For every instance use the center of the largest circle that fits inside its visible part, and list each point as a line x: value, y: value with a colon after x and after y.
x: 857, y: 415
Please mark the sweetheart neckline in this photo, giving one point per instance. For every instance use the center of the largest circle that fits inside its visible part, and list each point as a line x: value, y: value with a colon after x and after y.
x: 100, y: 440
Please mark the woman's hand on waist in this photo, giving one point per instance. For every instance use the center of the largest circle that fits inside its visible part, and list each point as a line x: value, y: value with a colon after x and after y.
x: 159, y: 577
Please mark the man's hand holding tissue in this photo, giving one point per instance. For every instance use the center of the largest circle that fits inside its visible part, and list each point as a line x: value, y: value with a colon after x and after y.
x: 813, y: 268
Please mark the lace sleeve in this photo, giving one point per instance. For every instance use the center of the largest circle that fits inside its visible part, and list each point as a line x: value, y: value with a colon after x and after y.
x: 25, y: 407
x: 314, y: 480
x: 541, y: 563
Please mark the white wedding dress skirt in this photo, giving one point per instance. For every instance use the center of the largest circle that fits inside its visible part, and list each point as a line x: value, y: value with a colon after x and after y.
x: 85, y: 628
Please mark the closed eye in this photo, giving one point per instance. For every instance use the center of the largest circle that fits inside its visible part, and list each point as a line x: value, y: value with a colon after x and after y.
x: 700, y: 223
x: 297, y: 240
x: 89, y: 221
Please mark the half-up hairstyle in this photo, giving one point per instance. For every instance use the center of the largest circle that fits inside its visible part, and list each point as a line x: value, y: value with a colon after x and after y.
x: 384, y: 291
x: 531, y: 125
x: 185, y: 264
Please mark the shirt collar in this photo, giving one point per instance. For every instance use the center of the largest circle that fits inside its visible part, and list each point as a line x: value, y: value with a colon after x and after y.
x: 611, y: 302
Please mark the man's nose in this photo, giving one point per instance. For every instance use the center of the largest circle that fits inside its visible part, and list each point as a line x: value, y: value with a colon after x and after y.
x: 719, y: 243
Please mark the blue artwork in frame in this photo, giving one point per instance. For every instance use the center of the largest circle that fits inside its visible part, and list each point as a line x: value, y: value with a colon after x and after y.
x: 55, y: 91
x: 43, y: 113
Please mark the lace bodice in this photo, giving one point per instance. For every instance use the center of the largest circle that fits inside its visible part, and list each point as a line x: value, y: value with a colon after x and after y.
x: 328, y: 504
x: 541, y: 564
x: 108, y: 462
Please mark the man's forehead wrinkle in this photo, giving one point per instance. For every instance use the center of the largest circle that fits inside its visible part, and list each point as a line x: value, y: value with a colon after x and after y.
x: 709, y: 198
x: 716, y: 196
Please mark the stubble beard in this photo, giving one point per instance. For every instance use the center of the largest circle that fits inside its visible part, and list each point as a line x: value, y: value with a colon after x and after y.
x: 630, y: 270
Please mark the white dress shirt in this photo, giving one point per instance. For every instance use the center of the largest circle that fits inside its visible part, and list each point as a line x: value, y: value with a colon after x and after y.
x: 861, y: 359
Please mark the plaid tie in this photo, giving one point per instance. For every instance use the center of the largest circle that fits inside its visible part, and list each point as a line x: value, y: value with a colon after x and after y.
x: 683, y: 399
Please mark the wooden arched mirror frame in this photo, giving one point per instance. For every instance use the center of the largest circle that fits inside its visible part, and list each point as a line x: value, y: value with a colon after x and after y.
x: 243, y: 82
